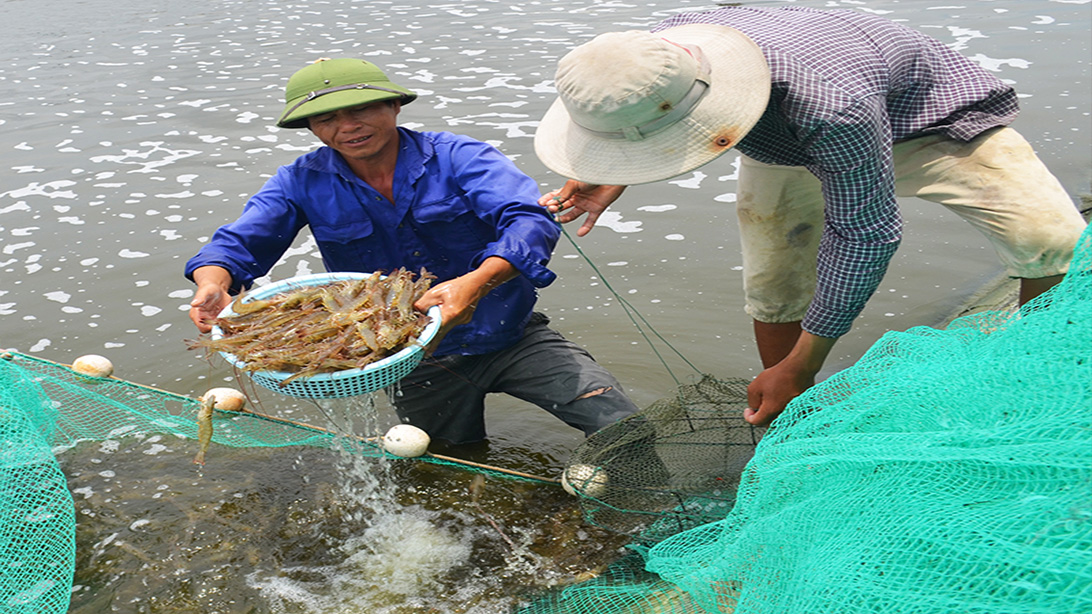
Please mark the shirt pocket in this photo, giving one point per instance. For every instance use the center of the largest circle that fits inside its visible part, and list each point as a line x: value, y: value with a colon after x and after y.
x: 452, y: 225
x: 348, y: 245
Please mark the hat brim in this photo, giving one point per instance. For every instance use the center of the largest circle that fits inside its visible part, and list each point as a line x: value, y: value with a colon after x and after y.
x: 295, y: 114
x: 737, y: 96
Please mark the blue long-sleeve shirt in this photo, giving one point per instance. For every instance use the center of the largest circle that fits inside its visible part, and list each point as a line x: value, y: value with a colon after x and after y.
x: 845, y: 86
x: 457, y: 201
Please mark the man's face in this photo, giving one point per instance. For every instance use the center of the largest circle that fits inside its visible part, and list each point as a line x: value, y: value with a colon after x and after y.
x: 360, y: 133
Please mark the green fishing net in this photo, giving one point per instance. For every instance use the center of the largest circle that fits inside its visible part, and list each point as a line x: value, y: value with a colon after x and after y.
x: 947, y: 471
x: 45, y: 406
x: 672, y: 467
x: 37, y: 525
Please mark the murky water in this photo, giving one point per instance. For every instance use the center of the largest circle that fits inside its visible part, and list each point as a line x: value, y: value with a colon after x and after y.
x: 305, y: 530
x: 132, y: 130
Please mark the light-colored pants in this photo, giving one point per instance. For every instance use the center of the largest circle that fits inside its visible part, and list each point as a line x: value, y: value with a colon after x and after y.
x: 995, y: 182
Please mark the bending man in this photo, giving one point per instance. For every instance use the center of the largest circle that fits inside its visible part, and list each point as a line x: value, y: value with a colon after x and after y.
x: 835, y: 113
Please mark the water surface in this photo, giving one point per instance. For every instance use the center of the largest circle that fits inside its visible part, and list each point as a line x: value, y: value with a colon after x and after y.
x: 133, y: 130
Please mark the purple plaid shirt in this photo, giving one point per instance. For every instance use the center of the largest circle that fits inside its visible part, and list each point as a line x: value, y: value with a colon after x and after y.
x: 845, y: 86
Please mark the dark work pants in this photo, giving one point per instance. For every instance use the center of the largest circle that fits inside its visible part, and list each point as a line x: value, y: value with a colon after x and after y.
x: 445, y: 396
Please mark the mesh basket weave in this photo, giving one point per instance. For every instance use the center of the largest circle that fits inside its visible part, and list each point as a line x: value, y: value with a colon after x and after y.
x: 347, y: 383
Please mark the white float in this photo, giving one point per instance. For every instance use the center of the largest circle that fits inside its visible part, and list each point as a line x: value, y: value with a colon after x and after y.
x: 406, y: 440
x: 584, y: 480
x: 227, y: 399
x: 93, y: 365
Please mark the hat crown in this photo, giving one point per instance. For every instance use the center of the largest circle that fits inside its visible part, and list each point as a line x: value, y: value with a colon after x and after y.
x: 621, y: 80
x: 328, y: 85
x: 332, y: 73
x: 637, y: 107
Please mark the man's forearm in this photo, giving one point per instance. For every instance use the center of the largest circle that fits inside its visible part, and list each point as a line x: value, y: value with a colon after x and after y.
x: 212, y: 275
x: 492, y: 272
x: 810, y: 352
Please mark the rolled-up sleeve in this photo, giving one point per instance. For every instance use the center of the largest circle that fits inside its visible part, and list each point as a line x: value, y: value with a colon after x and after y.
x: 505, y: 197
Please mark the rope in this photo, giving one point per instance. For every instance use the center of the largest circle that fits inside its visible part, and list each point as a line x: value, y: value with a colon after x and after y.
x: 633, y: 314
x: 370, y: 441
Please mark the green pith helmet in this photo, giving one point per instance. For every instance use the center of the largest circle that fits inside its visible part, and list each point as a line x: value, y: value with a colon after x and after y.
x: 329, y: 85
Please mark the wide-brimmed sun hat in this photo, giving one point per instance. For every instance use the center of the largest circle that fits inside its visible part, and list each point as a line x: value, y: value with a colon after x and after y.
x: 329, y: 85
x: 637, y: 107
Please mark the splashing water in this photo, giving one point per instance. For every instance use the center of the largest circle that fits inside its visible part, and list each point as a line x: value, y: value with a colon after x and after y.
x: 314, y: 531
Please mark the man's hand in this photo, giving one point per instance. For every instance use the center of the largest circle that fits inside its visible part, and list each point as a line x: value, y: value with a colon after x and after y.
x: 458, y: 298
x: 771, y: 391
x: 774, y: 388
x: 211, y: 297
x: 576, y: 198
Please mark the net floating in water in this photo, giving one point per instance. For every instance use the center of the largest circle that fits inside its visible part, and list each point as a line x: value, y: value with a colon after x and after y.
x: 673, y: 466
x: 336, y: 384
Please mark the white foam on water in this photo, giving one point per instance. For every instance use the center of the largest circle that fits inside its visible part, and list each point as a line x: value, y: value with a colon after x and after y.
x: 613, y: 220
x: 86, y: 491
x: 19, y: 206
x: 995, y: 64
x: 52, y: 189
x: 14, y: 247
x: 403, y: 553
x: 691, y: 183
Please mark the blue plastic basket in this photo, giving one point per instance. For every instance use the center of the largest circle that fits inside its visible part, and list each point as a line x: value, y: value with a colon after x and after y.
x: 348, y: 383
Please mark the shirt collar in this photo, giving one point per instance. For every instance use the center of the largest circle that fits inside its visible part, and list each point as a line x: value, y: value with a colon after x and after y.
x: 415, y: 151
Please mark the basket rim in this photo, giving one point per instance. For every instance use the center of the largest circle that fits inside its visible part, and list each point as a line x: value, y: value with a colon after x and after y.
x: 318, y: 279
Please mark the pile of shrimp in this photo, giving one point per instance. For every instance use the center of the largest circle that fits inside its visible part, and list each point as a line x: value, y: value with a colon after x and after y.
x: 322, y: 329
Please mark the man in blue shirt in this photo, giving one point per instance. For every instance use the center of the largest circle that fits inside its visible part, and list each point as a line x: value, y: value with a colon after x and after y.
x: 835, y: 113
x: 378, y: 197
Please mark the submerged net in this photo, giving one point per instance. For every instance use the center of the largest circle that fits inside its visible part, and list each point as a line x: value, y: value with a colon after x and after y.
x: 46, y: 406
x: 947, y: 471
x: 673, y: 466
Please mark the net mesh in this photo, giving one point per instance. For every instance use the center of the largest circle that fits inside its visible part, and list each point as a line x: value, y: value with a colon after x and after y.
x: 45, y: 406
x: 673, y: 466
x: 947, y: 471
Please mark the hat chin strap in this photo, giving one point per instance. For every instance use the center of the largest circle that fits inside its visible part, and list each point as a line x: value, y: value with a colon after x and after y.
x: 677, y: 112
x: 340, y: 88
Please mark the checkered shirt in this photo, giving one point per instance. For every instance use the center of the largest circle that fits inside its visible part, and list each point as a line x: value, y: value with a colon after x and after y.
x: 845, y: 86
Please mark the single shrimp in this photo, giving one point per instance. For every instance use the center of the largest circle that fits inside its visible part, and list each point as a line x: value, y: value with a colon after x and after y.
x: 204, y: 427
